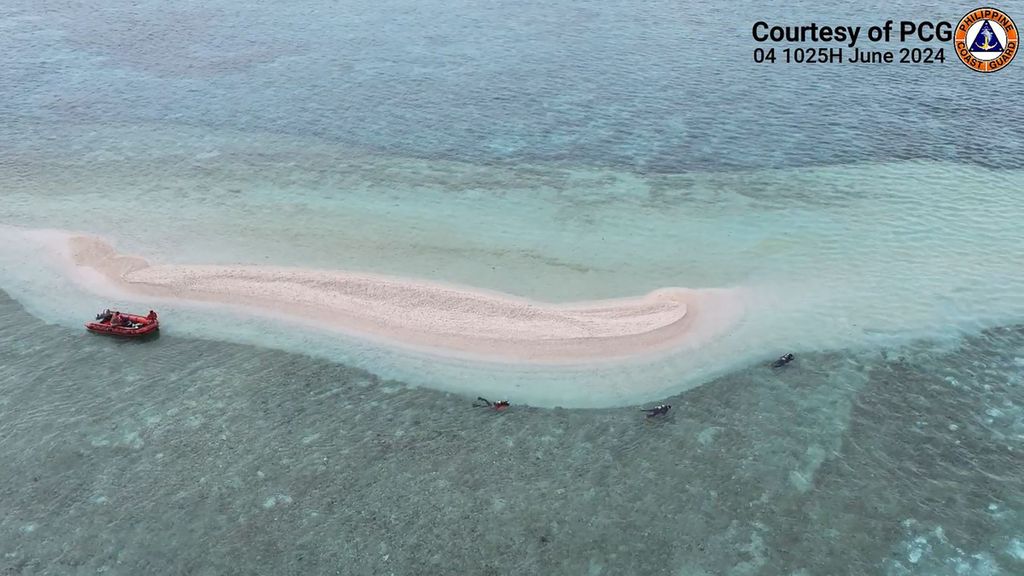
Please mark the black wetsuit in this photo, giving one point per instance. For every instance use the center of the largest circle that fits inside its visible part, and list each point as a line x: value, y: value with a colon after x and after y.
x: 782, y: 361
x: 657, y: 410
x: 499, y: 405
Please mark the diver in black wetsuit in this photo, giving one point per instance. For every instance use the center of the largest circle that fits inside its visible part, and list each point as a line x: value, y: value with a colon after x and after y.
x: 496, y: 406
x: 782, y: 361
x: 659, y: 410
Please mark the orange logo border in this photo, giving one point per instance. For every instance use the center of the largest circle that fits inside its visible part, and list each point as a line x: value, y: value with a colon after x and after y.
x: 960, y: 40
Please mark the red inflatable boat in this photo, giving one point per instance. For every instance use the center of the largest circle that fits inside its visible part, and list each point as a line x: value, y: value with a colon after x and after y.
x: 120, y: 324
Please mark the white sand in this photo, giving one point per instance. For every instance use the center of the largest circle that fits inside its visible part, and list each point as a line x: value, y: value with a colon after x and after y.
x: 445, y: 319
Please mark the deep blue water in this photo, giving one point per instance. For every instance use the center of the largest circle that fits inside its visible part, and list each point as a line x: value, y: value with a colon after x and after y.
x: 658, y: 86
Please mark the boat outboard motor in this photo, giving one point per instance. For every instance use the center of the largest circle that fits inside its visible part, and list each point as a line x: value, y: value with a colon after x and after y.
x: 105, y: 315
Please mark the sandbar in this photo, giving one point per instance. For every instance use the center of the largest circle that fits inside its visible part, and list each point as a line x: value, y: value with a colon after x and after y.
x: 425, y: 315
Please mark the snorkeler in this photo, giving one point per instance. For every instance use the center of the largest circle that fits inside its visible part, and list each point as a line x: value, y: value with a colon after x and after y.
x: 496, y: 406
x: 659, y: 410
x: 782, y: 361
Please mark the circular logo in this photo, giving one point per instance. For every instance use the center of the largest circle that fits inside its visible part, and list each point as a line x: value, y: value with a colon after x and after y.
x: 986, y: 40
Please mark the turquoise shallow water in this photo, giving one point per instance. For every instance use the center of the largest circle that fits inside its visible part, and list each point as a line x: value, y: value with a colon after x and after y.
x: 555, y: 151
x: 883, y: 251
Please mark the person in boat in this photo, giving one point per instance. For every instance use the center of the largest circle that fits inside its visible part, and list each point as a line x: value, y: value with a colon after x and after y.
x: 783, y: 360
x: 496, y: 406
x: 117, y: 319
x: 659, y: 410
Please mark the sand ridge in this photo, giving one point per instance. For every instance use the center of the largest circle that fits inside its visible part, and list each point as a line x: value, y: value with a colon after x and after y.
x: 443, y: 318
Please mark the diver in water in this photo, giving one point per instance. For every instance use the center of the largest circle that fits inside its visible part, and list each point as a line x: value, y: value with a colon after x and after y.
x: 782, y: 361
x: 659, y: 410
x: 496, y: 406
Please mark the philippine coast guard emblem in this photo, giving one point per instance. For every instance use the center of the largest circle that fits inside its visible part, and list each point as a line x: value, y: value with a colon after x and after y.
x: 986, y: 40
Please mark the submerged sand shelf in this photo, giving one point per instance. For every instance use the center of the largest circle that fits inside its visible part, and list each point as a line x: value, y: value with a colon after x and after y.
x: 443, y: 318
